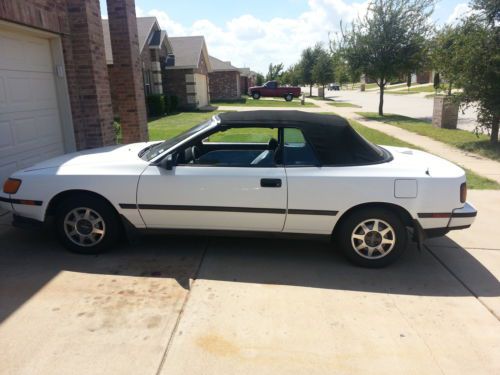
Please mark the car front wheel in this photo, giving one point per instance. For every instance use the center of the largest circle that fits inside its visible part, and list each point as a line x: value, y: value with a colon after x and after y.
x: 256, y: 95
x: 372, y: 237
x: 87, y: 224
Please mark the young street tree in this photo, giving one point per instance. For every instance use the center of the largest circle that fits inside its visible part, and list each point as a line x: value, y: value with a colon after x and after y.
x: 389, y: 41
x: 322, y: 72
x: 274, y: 72
x: 307, y: 62
x: 291, y: 76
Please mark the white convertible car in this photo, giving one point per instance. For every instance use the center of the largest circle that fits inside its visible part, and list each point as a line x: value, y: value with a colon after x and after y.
x: 308, y: 174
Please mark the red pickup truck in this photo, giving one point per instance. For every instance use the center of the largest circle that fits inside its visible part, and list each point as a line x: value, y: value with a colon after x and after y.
x: 273, y: 89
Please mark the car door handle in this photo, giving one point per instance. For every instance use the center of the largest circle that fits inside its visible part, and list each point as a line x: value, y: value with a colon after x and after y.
x: 270, y: 182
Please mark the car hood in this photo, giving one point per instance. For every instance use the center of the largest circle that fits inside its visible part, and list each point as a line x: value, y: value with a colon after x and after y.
x: 255, y: 87
x: 102, y: 156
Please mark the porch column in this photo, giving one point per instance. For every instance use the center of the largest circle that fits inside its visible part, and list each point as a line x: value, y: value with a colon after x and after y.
x: 126, y: 62
x: 88, y: 78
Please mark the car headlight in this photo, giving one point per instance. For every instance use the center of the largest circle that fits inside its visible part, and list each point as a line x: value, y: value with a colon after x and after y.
x: 11, y: 185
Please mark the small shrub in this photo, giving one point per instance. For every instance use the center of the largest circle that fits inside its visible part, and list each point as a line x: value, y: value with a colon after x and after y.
x: 173, y: 103
x: 118, y: 130
x: 156, y: 105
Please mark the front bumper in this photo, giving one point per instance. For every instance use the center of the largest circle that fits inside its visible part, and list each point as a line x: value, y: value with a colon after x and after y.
x: 5, y: 202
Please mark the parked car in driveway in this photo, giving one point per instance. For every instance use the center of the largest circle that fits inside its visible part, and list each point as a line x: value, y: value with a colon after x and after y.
x: 333, y: 87
x: 273, y: 89
x: 311, y: 175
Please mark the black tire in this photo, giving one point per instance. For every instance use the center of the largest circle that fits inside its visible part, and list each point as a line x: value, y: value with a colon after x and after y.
x: 256, y: 95
x: 101, y: 212
x: 289, y: 97
x: 350, y: 227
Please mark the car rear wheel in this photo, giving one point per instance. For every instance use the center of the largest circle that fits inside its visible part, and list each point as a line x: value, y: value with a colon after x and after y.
x: 372, y: 237
x: 289, y: 97
x: 87, y: 224
x: 256, y: 95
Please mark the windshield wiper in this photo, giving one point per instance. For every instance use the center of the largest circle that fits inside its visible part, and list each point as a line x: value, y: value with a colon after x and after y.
x: 144, y: 150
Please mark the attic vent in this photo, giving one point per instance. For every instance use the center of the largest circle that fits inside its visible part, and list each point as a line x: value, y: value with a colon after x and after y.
x: 170, y: 60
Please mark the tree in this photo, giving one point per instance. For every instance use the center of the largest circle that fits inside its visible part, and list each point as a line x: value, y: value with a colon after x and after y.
x: 259, y: 79
x: 473, y: 63
x: 389, y: 41
x: 307, y: 61
x: 291, y: 76
x: 322, y: 72
x: 274, y: 72
x: 443, y: 49
x: 437, y: 81
x: 408, y: 81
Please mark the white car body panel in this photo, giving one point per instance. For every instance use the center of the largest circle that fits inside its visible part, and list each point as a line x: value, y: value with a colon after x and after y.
x: 213, y: 187
x: 310, y: 200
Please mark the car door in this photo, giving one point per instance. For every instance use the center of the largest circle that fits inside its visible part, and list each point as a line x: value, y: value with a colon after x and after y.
x: 312, y: 203
x: 273, y: 88
x: 213, y: 197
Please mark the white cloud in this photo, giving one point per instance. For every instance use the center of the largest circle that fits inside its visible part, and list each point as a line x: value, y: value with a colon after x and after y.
x: 461, y: 10
x: 252, y: 42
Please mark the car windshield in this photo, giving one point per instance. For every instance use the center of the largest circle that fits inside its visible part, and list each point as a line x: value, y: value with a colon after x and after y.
x: 153, y: 151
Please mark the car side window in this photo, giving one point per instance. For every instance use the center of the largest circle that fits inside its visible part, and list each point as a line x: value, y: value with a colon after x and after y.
x: 235, y: 147
x: 297, y: 151
x: 272, y: 85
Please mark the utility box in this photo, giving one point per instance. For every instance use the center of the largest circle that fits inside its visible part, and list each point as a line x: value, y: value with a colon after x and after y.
x: 362, y: 87
x: 445, y: 113
x: 321, y: 92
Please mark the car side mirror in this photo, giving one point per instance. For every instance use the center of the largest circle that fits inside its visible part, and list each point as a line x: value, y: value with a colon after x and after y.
x: 167, y: 162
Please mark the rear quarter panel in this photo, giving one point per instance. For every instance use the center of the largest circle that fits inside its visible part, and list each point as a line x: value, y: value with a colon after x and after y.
x: 342, y: 188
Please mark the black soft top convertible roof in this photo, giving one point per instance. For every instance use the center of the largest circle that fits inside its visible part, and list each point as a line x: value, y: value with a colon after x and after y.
x: 333, y: 139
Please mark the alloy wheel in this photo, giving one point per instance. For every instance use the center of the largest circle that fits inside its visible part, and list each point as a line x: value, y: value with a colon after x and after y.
x: 373, y: 238
x: 84, y: 227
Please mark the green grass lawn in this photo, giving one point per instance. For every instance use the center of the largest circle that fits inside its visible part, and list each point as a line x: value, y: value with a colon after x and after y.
x: 370, y: 85
x: 461, y: 139
x: 262, y: 103
x: 170, y: 126
x: 474, y: 181
x: 343, y: 104
x: 404, y: 92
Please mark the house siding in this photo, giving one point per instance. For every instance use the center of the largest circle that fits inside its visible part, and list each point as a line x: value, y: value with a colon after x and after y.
x: 175, y: 83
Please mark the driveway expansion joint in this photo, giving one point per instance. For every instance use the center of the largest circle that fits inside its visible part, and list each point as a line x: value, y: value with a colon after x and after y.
x: 460, y: 281
x: 183, y: 307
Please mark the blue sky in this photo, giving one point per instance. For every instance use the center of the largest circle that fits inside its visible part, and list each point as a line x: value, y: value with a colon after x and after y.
x: 256, y: 32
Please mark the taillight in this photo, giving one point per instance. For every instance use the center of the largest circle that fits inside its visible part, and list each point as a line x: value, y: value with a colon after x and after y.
x: 463, y: 192
x: 11, y: 185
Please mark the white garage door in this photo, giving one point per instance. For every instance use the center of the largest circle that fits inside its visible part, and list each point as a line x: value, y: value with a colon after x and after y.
x: 201, y: 89
x: 30, y: 127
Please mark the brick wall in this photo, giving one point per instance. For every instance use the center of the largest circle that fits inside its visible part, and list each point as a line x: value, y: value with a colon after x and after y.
x: 127, y: 66
x: 174, y: 83
x: 95, y: 113
x: 424, y: 77
x: 224, y: 85
x: 243, y: 85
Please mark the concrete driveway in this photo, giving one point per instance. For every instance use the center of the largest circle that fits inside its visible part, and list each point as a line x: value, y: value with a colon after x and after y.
x: 178, y: 305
